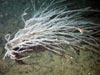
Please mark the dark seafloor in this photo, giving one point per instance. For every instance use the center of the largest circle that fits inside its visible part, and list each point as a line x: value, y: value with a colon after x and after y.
x: 86, y: 63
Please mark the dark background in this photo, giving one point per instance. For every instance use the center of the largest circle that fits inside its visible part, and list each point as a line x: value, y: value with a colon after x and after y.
x: 11, y: 22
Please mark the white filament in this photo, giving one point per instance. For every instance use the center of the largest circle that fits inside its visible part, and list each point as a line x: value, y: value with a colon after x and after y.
x: 65, y: 27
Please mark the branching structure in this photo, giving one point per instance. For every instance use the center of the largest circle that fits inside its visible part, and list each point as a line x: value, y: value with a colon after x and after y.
x: 52, y: 27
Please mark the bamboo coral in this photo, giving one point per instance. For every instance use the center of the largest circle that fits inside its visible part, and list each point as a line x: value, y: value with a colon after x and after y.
x: 52, y: 28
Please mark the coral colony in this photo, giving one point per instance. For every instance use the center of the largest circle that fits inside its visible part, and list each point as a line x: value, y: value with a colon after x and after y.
x: 52, y: 27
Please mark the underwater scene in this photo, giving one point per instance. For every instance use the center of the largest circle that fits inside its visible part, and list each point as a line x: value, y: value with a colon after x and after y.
x: 49, y: 37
